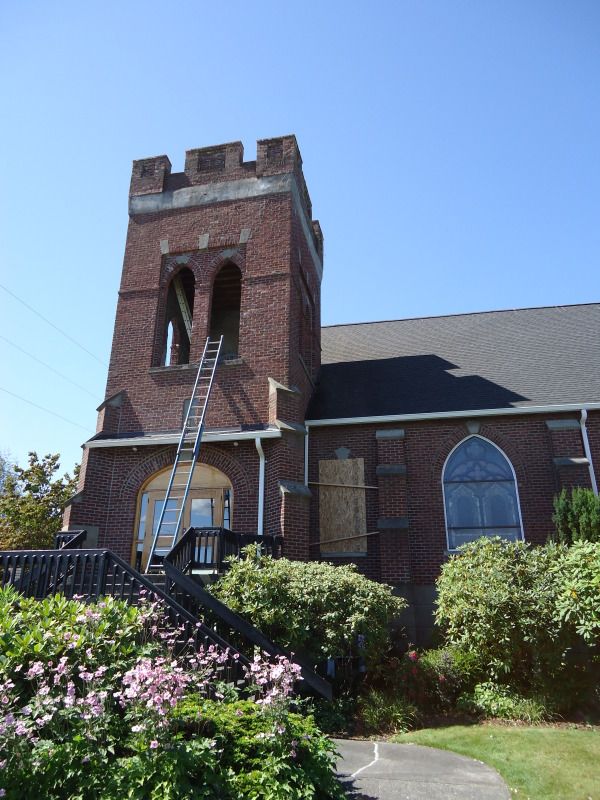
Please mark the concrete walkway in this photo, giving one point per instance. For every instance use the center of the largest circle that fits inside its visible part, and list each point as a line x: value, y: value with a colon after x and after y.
x: 386, y: 771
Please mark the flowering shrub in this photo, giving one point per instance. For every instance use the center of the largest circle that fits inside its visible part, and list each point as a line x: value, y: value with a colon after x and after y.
x: 274, y: 683
x: 434, y: 679
x: 311, y: 607
x: 91, y: 699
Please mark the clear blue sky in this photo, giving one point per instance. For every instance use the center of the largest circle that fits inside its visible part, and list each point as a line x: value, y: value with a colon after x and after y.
x: 451, y: 151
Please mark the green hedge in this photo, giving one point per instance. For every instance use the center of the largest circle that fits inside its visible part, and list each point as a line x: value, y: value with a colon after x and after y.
x: 312, y: 607
x: 525, y: 614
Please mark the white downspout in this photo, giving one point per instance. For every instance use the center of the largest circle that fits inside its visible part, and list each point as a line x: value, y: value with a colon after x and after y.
x: 587, y: 451
x: 306, y: 458
x: 261, y: 486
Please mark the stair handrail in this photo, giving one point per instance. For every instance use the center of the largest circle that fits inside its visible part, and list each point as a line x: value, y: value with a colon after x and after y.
x: 234, y: 620
x: 97, y: 562
x: 172, y: 603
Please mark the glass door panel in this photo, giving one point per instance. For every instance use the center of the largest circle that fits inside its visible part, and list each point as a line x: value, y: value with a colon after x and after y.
x: 204, y: 508
x: 206, y: 511
x: 202, y: 512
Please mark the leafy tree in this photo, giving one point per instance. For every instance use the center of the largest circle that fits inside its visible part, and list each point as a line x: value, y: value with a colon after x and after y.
x: 32, y: 500
x: 5, y: 468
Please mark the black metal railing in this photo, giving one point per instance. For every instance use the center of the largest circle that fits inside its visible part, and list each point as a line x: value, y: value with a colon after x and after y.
x: 70, y: 539
x: 92, y: 574
x: 189, y: 556
x: 206, y: 549
x: 200, y: 618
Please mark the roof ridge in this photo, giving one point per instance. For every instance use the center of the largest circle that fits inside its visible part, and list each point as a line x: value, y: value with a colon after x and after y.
x: 460, y: 314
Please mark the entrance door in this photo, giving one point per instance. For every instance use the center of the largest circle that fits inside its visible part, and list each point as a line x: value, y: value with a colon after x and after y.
x: 206, y: 506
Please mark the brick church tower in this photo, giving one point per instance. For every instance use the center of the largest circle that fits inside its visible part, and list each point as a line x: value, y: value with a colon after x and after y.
x: 226, y: 247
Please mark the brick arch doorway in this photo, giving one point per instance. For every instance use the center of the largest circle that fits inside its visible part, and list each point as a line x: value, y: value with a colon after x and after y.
x: 209, y: 503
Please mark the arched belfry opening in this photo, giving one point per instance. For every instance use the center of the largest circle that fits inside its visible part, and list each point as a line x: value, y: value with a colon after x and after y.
x: 178, y: 318
x: 225, y: 308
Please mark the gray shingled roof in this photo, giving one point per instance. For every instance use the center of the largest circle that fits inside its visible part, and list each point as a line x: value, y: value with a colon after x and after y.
x: 496, y: 359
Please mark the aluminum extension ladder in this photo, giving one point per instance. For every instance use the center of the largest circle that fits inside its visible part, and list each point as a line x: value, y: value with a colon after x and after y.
x: 171, y: 514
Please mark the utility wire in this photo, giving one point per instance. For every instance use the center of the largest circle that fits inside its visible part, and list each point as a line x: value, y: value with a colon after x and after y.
x: 43, y: 363
x: 52, y: 325
x: 41, y: 408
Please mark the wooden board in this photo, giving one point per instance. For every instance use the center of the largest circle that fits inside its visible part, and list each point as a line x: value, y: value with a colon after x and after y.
x: 342, y: 511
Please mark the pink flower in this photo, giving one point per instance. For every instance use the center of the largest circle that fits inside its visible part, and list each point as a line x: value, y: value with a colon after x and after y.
x: 36, y: 669
x: 153, y: 744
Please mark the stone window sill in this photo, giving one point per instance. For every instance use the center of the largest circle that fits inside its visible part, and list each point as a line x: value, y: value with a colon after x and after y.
x: 226, y: 362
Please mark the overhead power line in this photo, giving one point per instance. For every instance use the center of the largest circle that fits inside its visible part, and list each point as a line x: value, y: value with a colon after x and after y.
x: 41, y: 408
x: 52, y: 325
x: 43, y: 363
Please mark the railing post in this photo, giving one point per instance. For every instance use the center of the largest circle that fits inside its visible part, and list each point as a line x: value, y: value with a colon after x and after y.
x: 102, y: 570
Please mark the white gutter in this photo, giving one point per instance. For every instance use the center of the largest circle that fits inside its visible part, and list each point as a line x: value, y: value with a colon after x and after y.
x: 261, y: 486
x: 486, y: 412
x: 173, y: 438
x: 587, y: 451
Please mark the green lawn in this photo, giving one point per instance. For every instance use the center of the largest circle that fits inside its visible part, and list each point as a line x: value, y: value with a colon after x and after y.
x: 537, y: 763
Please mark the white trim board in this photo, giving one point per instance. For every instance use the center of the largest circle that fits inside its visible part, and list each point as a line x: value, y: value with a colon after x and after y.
x: 173, y: 438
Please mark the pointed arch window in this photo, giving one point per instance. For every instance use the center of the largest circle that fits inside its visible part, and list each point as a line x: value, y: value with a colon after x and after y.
x: 480, y: 494
x: 225, y: 309
x: 177, y: 331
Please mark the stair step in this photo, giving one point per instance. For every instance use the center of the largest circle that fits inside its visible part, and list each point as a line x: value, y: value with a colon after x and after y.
x: 159, y: 579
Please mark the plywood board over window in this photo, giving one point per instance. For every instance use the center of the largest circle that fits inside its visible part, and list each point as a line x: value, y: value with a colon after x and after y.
x: 342, y: 511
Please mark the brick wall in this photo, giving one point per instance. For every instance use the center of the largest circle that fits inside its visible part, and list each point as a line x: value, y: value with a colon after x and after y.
x: 415, y: 554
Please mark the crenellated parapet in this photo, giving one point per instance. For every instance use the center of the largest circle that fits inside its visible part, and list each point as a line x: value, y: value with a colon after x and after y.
x: 220, y: 174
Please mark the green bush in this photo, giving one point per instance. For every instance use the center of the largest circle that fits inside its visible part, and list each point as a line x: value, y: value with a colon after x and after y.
x: 335, y: 716
x: 112, y: 632
x: 494, y: 701
x: 449, y: 672
x: 497, y: 601
x: 577, y: 516
x: 381, y: 712
x: 291, y: 759
x: 311, y: 607
x: 578, y: 600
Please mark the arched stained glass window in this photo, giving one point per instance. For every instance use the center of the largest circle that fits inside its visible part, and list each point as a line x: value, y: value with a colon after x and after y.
x: 480, y: 494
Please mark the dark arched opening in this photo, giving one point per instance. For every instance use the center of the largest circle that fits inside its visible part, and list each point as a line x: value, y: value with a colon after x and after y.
x: 225, y: 309
x: 179, y: 312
